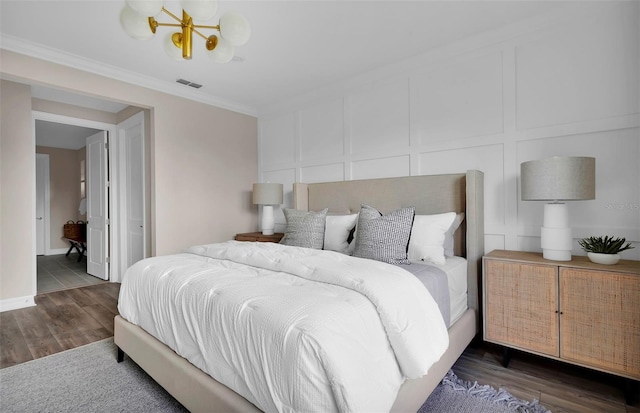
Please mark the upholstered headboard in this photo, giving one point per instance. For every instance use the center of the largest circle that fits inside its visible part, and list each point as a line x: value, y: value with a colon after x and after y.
x: 429, y: 194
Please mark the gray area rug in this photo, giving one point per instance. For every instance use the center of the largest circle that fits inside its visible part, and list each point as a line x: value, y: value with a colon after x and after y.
x: 88, y: 379
x: 84, y: 379
x: 457, y: 395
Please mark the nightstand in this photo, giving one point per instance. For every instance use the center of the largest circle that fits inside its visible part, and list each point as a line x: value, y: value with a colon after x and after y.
x: 573, y: 311
x: 259, y: 237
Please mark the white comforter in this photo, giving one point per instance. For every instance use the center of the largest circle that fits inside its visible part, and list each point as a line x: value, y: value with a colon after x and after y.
x: 290, y: 329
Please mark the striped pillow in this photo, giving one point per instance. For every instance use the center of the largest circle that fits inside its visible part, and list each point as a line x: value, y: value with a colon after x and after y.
x: 304, y: 229
x: 384, y: 237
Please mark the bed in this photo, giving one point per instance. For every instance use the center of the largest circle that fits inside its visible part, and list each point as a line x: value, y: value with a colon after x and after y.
x: 428, y: 194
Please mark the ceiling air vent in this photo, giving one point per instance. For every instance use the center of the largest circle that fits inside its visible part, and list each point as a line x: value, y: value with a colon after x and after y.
x: 189, y: 83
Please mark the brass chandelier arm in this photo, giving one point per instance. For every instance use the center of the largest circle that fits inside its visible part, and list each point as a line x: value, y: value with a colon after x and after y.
x: 158, y: 24
x: 199, y: 34
x: 181, y: 23
x: 199, y: 26
x: 173, y: 16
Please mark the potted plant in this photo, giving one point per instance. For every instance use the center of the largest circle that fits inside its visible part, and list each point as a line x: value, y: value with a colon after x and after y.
x: 604, y: 250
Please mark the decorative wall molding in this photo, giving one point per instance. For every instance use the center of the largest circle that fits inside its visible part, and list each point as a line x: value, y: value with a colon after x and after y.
x: 490, y: 103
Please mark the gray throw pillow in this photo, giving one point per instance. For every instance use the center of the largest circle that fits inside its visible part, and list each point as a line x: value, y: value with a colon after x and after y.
x: 384, y: 237
x: 304, y: 228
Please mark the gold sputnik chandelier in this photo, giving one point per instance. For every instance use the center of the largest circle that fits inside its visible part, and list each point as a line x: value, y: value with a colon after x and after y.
x: 138, y: 19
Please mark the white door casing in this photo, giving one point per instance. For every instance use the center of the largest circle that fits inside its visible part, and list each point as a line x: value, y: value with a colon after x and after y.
x: 131, y: 191
x: 42, y: 204
x: 117, y: 170
x: 97, y: 206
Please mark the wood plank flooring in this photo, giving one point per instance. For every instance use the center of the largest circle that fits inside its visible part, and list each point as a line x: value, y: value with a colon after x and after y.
x: 61, y: 320
x: 66, y: 319
x: 560, y: 387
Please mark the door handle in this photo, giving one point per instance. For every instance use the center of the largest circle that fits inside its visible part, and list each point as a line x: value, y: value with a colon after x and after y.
x: 39, y: 218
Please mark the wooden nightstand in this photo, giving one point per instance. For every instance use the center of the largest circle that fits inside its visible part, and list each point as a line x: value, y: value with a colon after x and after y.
x: 259, y: 237
x: 574, y: 311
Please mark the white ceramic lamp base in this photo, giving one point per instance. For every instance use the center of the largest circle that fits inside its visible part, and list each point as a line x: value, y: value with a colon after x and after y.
x: 268, y: 223
x: 555, y: 236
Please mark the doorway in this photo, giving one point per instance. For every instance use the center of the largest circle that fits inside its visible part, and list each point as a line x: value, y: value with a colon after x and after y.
x: 108, y: 254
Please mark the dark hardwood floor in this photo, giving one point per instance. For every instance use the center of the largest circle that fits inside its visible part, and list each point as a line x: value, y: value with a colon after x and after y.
x: 61, y: 320
x: 559, y: 387
x: 66, y: 319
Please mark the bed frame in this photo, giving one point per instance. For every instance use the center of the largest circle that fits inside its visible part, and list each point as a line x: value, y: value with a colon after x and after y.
x: 429, y: 194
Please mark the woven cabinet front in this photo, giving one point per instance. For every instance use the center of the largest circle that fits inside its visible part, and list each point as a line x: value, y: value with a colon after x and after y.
x: 600, y: 322
x: 522, y: 304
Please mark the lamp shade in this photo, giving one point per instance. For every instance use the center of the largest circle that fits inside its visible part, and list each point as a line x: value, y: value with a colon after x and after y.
x: 171, y: 49
x: 135, y: 25
x: 200, y: 9
x: 146, y: 8
x: 559, y: 179
x: 223, y: 51
x: 267, y: 194
x: 235, y: 28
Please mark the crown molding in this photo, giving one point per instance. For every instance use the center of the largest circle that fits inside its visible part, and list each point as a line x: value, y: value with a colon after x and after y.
x: 38, y: 51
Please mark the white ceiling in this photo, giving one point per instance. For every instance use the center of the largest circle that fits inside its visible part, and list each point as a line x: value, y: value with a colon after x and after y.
x: 57, y: 135
x: 296, y: 45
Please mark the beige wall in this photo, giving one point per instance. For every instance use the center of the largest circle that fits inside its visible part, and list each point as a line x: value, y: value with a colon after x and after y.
x: 17, y: 192
x: 203, y: 161
x: 64, y: 191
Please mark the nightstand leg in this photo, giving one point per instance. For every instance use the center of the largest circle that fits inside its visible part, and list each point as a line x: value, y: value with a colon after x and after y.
x: 506, y: 357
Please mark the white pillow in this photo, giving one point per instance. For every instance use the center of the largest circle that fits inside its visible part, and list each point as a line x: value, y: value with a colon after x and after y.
x: 428, y: 236
x: 337, y: 230
x: 448, y: 237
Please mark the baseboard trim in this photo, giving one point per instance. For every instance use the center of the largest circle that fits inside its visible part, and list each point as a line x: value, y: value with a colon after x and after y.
x: 16, y: 303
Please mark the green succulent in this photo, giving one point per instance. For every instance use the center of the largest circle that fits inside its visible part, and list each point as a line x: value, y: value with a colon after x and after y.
x: 604, y: 245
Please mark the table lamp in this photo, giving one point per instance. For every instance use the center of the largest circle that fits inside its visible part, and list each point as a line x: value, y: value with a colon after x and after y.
x: 558, y: 179
x: 267, y: 195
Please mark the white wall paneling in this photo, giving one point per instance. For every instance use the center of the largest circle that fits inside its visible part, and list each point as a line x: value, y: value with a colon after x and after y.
x: 381, y: 167
x: 586, y: 69
x: 321, y: 131
x: 379, y: 116
x: 488, y: 159
x: 497, y: 242
x: 322, y: 173
x: 277, y: 142
x: 568, y: 84
x: 458, y: 98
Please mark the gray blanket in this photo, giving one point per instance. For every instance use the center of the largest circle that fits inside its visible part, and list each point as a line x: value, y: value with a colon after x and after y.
x: 436, y: 281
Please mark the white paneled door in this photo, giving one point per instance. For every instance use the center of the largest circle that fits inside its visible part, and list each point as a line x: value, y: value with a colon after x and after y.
x: 97, y: 206
x: 131, y: 136
x: 42, y: 194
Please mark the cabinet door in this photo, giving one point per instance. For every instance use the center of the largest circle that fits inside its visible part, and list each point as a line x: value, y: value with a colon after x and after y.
x: 521, y: 305
x: 600, y: 321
